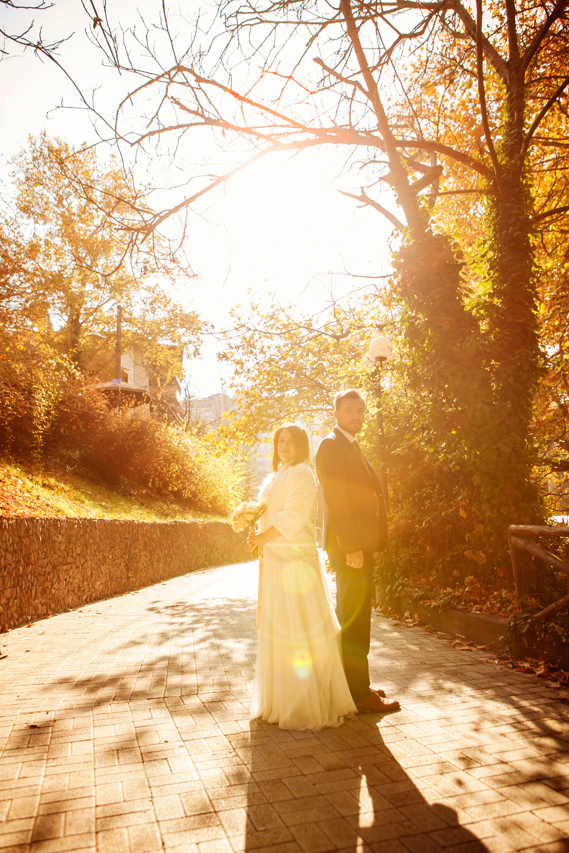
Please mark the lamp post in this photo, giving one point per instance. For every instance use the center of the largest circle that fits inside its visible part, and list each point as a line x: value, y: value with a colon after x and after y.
x: 118, y: 357
x: 379, y: 351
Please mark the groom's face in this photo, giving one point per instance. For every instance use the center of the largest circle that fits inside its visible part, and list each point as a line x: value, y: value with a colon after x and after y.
x: 350, y: 415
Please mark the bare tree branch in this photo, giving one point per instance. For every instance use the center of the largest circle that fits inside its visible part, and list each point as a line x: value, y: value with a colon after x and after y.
x: 482, y: 97
x: 367, y: 201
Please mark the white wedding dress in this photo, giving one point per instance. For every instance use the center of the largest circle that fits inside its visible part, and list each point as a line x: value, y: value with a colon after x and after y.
x: 299, y: 677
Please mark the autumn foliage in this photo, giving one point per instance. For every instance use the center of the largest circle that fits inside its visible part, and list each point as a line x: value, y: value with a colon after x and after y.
x: 73, y: 425
x: 67, y: 257
x: 139, y: 449
x: 32, y: 378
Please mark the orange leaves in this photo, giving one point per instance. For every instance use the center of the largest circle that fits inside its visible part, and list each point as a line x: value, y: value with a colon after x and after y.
x: 548, y: 670
x: 558, y: 678
x: 476, y: 557
x: 287, y: 364
x: 463, y: 645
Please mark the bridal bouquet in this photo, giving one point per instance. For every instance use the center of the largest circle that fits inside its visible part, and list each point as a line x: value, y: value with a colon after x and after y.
x: 246, y: 515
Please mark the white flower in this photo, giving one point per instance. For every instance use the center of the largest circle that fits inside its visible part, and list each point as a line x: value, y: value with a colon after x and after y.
x: 246, y: 514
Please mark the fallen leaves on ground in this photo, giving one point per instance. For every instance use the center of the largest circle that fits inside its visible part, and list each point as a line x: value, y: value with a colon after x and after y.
x: 468, y: 595
x: 556, y: 678
x: 554, y: 675
x: 50, y: 490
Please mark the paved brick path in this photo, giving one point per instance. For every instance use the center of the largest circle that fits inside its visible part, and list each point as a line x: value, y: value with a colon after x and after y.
x: 124, y: 727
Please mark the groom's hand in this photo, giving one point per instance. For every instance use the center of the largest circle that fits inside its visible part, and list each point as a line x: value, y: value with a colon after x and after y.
x: 355, y: 560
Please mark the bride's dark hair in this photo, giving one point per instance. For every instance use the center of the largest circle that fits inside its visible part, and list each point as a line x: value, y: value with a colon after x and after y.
x: 300, y: 441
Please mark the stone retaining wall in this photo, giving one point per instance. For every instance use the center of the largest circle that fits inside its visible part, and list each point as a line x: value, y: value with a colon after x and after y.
x: 478, y: 627
x: 52, y: 564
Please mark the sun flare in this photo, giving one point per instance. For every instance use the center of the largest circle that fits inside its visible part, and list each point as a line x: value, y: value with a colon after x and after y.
x: 282, y: 218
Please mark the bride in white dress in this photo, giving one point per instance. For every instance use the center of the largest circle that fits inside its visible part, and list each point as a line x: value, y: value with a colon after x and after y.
x: 299, y: 677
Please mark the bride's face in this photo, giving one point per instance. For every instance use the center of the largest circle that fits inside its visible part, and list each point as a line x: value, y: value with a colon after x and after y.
x: 286, y: 451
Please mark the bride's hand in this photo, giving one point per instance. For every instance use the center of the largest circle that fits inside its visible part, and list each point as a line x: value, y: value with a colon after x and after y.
x: 252, y: 540
x: 258, y: 540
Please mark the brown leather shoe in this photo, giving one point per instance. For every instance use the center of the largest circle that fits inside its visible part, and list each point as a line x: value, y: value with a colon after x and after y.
x: 374, y: 704
x: 379, y: 692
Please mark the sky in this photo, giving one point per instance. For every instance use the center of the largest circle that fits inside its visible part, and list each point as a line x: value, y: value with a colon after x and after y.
x: 279, y: 227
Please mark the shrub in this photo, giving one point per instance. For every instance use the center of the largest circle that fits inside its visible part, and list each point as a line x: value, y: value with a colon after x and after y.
x: 46, y: 409
x: 138, y: 449
x: 32, y: 379
x: 79, y: 417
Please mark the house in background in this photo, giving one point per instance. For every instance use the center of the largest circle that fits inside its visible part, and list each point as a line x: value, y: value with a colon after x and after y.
x: 138, y: 388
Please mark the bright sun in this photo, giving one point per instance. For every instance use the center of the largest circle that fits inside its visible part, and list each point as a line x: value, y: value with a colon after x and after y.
x: 287, y: 225
x: 282, y: 227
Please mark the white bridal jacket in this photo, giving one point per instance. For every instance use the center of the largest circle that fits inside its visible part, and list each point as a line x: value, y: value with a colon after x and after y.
x: 299, y: 677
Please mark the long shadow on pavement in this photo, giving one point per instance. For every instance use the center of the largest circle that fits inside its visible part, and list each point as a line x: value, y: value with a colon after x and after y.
x: 337, y: 789
x: 342, y: 790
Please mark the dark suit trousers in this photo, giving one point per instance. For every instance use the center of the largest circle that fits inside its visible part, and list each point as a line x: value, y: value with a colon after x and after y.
x: 353, y: 608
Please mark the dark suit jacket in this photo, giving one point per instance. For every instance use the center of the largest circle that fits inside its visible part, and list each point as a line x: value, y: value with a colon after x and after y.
x: 354, y: 509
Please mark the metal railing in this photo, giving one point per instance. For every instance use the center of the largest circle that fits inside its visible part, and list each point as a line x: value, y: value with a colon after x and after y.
x: 519, y: 537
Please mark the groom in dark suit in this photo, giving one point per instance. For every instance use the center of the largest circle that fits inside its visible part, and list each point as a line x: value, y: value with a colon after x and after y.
x: 355, y: 529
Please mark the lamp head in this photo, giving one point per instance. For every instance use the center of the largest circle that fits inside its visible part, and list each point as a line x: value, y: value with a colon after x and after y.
x: 380, y: 349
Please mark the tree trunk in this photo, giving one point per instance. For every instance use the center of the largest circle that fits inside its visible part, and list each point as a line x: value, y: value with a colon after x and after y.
x: 74, y: 329
x: 513, y: 323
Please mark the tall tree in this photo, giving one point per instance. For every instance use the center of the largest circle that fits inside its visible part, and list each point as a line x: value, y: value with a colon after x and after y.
x: 435, y: 100
x: 76, y: 217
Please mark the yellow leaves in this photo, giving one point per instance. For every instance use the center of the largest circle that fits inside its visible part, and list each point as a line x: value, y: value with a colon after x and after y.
x: 287, y: 366
x: 80, y: 214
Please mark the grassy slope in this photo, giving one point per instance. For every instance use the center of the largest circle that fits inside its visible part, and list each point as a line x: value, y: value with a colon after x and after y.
x: 53, y: 491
